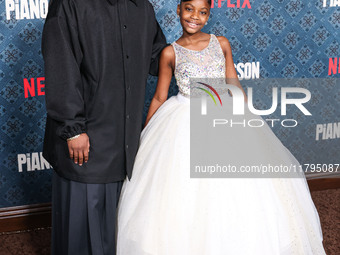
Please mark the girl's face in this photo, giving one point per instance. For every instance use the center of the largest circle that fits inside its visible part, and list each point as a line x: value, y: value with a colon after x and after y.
x: 193, y: 15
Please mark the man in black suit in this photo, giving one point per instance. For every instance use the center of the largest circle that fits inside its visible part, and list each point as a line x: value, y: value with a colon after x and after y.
x: 97, y: 58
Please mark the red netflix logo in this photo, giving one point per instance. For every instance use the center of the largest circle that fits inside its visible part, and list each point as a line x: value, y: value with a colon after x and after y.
x: 232, y: 4
x: 333, y: 67
x: 34, y: 87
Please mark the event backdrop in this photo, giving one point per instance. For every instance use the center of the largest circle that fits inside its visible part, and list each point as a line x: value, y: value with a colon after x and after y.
x: 269, y: 38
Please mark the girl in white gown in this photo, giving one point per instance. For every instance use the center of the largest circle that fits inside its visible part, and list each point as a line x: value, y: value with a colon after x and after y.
x: 162, y: 211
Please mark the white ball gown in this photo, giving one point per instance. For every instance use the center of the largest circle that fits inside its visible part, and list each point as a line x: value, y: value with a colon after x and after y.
x: 162, y: 211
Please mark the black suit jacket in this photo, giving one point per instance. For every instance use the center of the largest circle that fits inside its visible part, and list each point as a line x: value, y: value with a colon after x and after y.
x: 97, y: 58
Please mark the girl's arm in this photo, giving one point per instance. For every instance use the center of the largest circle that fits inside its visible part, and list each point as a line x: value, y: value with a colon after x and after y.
x: 230, y: 74
x: 166, y: 69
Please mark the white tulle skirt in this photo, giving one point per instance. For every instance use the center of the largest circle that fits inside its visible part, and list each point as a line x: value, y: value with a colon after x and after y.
x: 162, y: 211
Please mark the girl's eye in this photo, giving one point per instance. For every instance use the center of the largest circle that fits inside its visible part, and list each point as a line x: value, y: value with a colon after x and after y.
x: 188, y: 9
x: 204, y: 13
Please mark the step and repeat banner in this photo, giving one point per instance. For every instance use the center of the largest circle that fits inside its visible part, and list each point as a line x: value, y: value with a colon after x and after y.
x: 283, y: 39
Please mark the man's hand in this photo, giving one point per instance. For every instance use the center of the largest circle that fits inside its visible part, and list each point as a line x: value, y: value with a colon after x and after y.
x: 79, y: 149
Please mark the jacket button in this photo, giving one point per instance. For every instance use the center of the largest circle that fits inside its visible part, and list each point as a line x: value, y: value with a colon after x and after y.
x: 128, y: 116
x: 127, y: 56
x: 127, y: 146
x: 125, y: 27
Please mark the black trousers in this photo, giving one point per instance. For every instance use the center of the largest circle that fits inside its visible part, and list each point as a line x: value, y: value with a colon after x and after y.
x: 84, y: 217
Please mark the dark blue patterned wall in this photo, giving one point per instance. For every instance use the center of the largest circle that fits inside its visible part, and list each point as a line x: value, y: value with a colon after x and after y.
x: 22, y: 120
x: 288, y: 38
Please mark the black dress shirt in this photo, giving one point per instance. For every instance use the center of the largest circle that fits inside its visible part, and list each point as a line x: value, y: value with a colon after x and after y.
x: 98, y: 54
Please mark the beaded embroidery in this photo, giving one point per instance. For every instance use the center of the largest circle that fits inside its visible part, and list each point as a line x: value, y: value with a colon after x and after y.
x: 206, y: 63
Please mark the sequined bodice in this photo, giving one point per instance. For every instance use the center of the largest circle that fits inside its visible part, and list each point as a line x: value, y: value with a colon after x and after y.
x: 207, y: 63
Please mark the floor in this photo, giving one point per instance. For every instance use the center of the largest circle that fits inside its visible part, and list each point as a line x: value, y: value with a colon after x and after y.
x: 37, y: 241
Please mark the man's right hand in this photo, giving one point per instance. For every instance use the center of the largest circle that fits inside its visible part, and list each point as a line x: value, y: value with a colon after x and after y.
x: 79, y: 149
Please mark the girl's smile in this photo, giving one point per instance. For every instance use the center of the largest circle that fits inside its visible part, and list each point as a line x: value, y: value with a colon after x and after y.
x: 192, y: 24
